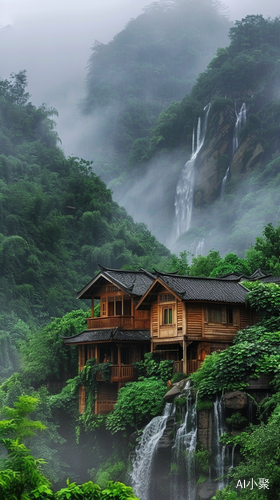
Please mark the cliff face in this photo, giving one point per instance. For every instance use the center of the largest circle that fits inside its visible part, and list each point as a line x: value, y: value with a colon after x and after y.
x: 217, y: 155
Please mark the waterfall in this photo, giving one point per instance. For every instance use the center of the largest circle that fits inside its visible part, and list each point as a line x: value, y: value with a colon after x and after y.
x: 145, y: 453
x: 185, y: 186
x: 240, y: 121
x: 219, y: 449
x: 199, y: 248
x: 183, y: 485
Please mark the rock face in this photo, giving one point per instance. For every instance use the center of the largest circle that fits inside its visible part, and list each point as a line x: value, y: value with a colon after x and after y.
x: 209, y: 166
x: 235, y: 400
x: 176, y: 389
x: 204, y: 429
x: 216, y: 156
x: 206, y: 490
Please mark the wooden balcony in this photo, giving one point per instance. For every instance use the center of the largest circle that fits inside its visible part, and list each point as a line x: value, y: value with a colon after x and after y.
x: 119, y: 373
x: 125, y: 322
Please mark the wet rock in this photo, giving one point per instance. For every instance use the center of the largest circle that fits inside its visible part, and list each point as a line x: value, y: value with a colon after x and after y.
x: 206, y: 490
x: 170, y: 395
x: 235, y: 400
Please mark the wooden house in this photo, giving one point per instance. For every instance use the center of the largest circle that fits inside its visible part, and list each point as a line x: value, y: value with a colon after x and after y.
x: 181, y: 318
x: 191, y: 317
x: 120, y: 335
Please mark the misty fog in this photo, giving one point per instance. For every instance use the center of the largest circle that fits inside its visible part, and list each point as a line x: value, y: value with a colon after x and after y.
x: 52, y: 41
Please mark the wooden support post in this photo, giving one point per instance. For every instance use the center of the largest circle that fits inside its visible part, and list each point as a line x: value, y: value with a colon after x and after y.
x: 184, y: 354
x: 92, y: 307
x: 119, y: 360
x: 95, y: 353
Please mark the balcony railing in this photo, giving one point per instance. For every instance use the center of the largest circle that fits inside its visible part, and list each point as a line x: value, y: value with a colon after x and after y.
x: 125, y: 322
x: 119, y: 373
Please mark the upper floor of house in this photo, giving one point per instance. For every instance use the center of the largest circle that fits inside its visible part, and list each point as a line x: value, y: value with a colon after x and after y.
x: 168, y: 305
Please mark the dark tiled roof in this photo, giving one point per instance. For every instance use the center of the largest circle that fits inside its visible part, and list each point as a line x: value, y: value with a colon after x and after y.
x: 89, y: 336
x: 208, y: 289
x: 270, y: 279
x: 134, y: 282
x: 259, y: 274
x: 108, y: 334
x: 232, y: 276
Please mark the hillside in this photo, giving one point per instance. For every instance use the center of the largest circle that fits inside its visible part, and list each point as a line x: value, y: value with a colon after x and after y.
x: 246, y: 73
x: 130, y: 80
x: 58, y: 221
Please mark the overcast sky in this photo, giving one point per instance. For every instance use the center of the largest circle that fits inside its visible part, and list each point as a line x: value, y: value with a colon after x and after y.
x: 51, y: 39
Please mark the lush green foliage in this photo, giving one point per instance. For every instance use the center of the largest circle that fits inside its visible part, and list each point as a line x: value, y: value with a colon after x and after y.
x: 264, y: 298
x: 20, y: 473
x: 58, y: 221
x: 137, y: 403
x: 229, y: 370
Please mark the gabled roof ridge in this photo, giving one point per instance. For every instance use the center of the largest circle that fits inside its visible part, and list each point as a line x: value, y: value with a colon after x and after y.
x: 160, y: 273
x: 142, y: 270
x: 185, y: 276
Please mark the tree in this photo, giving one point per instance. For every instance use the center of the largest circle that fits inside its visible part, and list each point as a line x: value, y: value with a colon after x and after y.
x: 20, y: 474
x: 137, y: 403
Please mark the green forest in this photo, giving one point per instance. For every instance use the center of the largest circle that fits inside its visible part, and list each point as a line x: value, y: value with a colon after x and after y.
x: 59, y: 221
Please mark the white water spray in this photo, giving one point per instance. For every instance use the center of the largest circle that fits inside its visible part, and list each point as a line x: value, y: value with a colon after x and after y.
x: 142, y: 464
x: 200, y: 248
x: 220, y: 450
x: 240, y: 121
x: 183, y: 485
x: 185, y: 186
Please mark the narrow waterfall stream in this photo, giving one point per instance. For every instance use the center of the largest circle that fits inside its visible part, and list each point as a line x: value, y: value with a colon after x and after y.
x: 218, y: 448
x: 240, y: 121
x: 200, y: 248
x: 141, y: 475
x: 185, y: 186
x: 183, y: 482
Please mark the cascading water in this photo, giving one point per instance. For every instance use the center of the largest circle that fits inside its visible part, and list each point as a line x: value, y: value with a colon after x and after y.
x: 183, y: 485
x: 145, y: 453
x: 199, y: 248
x: 218, y: 448
x: 240, y: 121
x: 185, y: 186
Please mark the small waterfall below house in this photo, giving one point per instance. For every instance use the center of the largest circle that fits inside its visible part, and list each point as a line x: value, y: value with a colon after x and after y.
x: 240, y: 121
x: 142, y: 471
x: 185, y: 186
x: 219, y: 450
x: 183, y: 478
x: 165, y: 465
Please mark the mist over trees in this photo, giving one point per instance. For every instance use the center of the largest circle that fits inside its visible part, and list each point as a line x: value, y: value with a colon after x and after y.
x: 130, y: 80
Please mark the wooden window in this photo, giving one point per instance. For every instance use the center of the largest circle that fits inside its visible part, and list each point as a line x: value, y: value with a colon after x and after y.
x: 166, y: 297
x: 104, y: 308
x: 126, y: 305
x: 214, y: 314
x: 219, y: 314
x: 111, y: 288
x: 167, y: 316
x: 116, y: 305
x: 111, y: 308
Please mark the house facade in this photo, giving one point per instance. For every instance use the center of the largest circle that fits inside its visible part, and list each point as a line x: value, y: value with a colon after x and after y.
x: 180, y: 318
